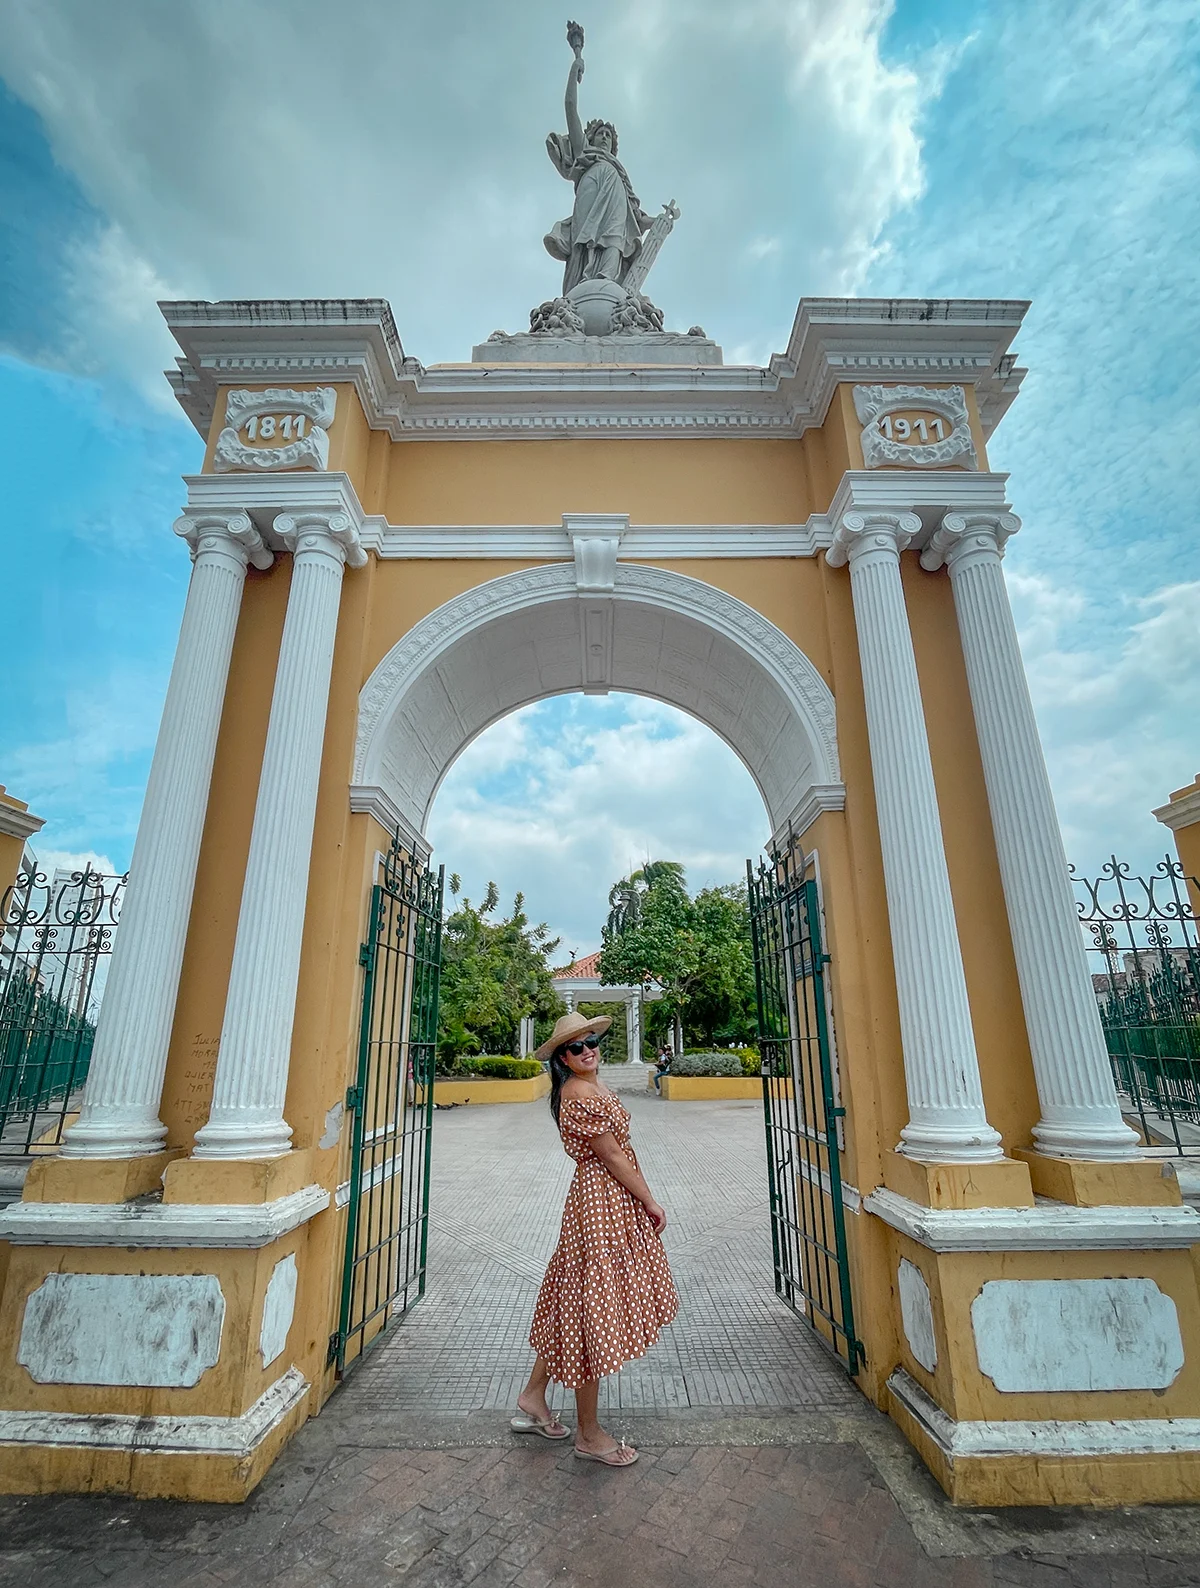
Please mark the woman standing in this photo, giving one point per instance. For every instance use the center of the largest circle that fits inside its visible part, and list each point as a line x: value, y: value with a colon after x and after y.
x: 608, y: 1290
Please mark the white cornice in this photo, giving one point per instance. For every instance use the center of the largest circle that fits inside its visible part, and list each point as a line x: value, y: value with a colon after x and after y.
x: 15, y: 823
x: 592, y: 990
x: 929, y: 493
x: 241, y: 1224
x: 266, y: 497
x: 324, y: 342
x: 552, y: 543
x: 1047, y: 1438
x: 816, y: 799
x: 1182, y: 812
x: 237, y: 1437
x: 371, y: 800
x: 1048, y: 1227
x: 964, y: 340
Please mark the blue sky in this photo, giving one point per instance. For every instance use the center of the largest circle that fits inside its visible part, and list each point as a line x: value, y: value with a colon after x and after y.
x: 226, y: 148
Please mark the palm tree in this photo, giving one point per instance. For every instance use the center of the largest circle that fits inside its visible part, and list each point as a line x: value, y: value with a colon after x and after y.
x: 625, y: 897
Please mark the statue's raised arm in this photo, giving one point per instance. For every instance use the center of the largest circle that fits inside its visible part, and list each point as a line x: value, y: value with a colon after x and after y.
x: 571, y: 99
x: 565, y: 151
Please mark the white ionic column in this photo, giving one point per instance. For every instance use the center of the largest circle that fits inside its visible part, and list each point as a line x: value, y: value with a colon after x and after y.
x: 246, y: 1119
x: 119, y: 1117
x: 1081, y: 1117
x: 947, y: 1122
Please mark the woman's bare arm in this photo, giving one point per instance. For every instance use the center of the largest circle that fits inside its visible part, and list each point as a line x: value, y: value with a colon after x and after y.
x: 612, y: 1155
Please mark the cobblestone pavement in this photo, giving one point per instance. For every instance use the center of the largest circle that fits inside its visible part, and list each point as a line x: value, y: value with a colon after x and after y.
x: 760, y: 1464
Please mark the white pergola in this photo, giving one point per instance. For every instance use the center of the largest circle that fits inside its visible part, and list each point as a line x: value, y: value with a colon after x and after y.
x: 575, y: 990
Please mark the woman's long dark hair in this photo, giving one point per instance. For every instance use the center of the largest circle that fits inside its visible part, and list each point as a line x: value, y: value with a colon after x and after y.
x: 560, y: 1074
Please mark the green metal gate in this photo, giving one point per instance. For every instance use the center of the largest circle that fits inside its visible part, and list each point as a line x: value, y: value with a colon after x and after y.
x: 391, y: 1103
x: 800, y: 1102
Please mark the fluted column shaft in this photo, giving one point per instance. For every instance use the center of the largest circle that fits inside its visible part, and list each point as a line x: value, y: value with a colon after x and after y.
x: 246, y: 1118
x: 1081, y: 1117
x: 119, y: 1116
x: 947, y: 1121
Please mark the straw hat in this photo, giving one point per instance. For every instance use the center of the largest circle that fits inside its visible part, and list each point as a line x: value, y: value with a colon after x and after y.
x: 569, y: 1029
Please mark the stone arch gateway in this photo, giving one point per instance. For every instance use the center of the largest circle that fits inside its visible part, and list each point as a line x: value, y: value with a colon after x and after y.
x: 525, y: 635
x: 806, y: 556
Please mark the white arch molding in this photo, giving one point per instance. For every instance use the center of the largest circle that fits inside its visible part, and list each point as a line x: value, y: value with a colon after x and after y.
x: 529, y: 635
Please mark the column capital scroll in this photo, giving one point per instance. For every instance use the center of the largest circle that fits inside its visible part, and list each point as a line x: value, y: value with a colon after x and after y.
x: 223, y: 533
x: 859, y: 532
x: 960, y: 533
x: 328, y: 532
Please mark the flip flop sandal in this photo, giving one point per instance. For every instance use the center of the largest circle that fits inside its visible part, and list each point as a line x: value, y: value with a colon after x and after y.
x: 615, y: 1458
x: 522, y: 1423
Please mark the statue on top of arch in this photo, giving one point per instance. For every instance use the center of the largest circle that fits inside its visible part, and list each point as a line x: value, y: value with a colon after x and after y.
x: 606, y: 245
x: 608, y: 242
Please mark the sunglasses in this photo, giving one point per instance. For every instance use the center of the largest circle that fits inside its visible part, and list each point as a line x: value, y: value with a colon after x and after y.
x: 577, y: 1048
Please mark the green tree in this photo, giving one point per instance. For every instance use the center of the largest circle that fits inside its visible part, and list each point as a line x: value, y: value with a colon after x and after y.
x: 495, y: 972
x: 698, y: 950
x: 723, y: 1009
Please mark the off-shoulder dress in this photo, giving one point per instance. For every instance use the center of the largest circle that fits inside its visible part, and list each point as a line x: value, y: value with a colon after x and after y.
x: 608, y: 1289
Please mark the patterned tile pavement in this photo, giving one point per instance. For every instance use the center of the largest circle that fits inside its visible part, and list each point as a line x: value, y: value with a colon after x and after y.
x: 499, y: 1181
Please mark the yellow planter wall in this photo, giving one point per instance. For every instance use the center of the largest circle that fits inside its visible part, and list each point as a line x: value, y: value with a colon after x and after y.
x: 485, y: 1090
x: 695, y: 1088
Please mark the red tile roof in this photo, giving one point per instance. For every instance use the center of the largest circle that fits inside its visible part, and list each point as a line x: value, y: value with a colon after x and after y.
x: 588, y: 966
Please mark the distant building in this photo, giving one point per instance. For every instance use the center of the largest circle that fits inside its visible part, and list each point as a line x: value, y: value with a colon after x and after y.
x: 579, y: 983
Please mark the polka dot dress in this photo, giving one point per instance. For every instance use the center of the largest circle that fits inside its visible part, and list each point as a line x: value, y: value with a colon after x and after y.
x: 608, y: 1290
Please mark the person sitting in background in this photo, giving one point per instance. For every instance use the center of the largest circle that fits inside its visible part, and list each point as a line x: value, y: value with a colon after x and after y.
x: 661, y: 1066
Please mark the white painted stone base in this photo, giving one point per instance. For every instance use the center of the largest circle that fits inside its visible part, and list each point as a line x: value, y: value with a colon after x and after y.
x: 156, y: 1330
x: 1045, y: 1335
x: 916, y: 1314
x: 1121, y: 1436
x: 1048, y: 1227
x: 634, y: 348
x: 238, y: 1437
x: 240, y: 1224
x: 279, y: 1308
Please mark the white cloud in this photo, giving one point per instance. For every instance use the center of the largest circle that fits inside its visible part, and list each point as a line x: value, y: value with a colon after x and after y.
x: 240, y: 149
x: 113, y: 321
x: 1062, y: 166
x: 1117, y: 690
x: 53, y: 860
x: 243, y: 149
x: 601, y: 785
x: 90, y: 772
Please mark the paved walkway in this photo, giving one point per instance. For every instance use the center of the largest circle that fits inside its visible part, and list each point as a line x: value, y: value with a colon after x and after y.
x: 499, y: 1181
x: 760, y: 1463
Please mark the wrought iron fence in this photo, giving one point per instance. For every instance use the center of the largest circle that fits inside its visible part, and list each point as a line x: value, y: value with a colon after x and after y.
x: 1143, y: 939
x: 57, y: 934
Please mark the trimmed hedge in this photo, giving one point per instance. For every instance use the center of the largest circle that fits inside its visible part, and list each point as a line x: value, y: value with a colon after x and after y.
x: 490, y: 1067
x: 688, y: 1064
x: 502, y: 1069
x: 746, y: 1059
